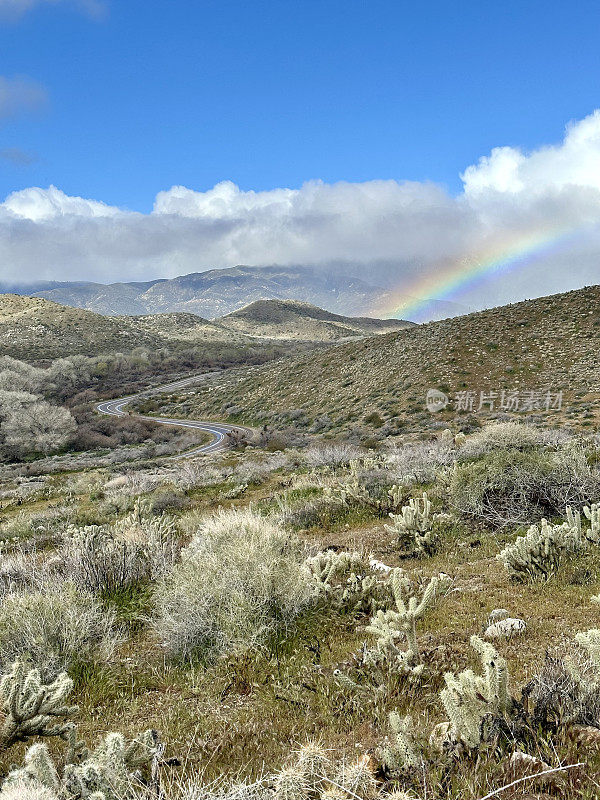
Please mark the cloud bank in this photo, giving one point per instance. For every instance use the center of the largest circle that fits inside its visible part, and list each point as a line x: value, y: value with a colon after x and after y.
x: 399, y: 229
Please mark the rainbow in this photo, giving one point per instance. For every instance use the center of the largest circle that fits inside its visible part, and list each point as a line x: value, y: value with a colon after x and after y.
x: 414, y: 301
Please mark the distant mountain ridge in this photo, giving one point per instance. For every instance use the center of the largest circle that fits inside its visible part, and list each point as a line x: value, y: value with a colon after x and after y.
x: 218, y: 292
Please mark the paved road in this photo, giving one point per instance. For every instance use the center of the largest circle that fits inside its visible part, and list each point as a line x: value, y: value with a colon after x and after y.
x: 218, y: 430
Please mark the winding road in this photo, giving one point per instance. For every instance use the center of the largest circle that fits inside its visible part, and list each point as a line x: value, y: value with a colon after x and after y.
x: 218, y: 430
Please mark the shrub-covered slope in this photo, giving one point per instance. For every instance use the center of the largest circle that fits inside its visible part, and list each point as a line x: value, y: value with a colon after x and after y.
x: 551, y: 343
x: 290, y: 319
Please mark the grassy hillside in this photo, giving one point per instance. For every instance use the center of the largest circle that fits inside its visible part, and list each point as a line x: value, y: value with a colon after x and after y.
x: 551, y: 343
x: 290, y: 319
x: 33, y: 328
x: 181, y: 326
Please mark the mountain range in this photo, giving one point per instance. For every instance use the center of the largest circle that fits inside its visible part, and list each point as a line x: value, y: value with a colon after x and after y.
x: 218, y: 292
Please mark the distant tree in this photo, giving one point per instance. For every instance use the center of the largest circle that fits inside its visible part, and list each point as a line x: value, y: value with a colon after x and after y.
x: 19, y: 376
x: 29, y: 424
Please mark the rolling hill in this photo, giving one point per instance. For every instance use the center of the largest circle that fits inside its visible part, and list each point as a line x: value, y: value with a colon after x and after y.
x: 290, y: 319
x: 33, y: 328
x: 547, y: 344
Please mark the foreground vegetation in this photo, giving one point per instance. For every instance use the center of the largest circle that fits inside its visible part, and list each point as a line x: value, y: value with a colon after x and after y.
x: 417, y: 621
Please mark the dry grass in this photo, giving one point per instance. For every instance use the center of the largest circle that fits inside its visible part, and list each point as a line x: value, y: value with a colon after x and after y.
x: 242, y: 715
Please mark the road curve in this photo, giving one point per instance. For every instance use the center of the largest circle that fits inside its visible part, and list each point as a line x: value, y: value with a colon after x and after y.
x: 218, y: 430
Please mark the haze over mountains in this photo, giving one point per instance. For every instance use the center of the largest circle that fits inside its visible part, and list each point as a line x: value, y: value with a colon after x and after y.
x: 218, y: 292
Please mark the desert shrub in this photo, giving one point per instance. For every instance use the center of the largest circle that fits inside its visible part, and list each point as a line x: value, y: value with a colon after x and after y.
x: 323, y: 512
x: 21, y: 570
x: 512, y: 486
x: 336, y: 454
x: 500, y: 436
x: 239, y: 580
x: 419, y: 462
x: 38, y: 525
x: 271, y: 440
x: 169, y: 500
x: 258, y: 470
x: 104, y: 559
x: 566, y: 691
x: 55, y: 628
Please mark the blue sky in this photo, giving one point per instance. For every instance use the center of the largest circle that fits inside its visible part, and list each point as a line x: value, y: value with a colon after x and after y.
x: 399, y: 142
x: 271, y: 94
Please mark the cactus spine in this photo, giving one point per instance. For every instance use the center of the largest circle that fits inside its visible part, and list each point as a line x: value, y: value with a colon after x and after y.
x: 414, y: 526
x: 32, y: 708
x: 391, y: 625
x: 469, y: 698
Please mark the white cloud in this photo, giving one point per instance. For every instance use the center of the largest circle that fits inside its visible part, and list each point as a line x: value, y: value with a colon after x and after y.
x: 381, y: 230
x: 46, y: 204
x: 574, y: 162
x: 19, y: 95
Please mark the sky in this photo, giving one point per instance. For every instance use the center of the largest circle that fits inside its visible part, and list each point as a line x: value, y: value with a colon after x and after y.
x: 450, y: 150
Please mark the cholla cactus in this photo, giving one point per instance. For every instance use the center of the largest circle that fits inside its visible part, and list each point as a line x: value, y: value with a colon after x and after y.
x: 314, y: 764
x: 414, y: 526
x: 291, y: 784
x: 31, y: 708
x: 538, y: 554
x: 348, y: 580
x: 400, y: 752
x: 111, y: 772
x: 470, y: 699
x: 326, y: 566
x: 592, y: 513
x: 393, y: 625
x: 26, y: 790
x: 590, y: 641
x: 101, y: 558
x: 353, y: 492
x: 357, y: 778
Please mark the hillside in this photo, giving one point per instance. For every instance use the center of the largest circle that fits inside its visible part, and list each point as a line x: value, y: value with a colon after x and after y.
x: 33, y: 328
x: 289, y: 319
x: 551, y: 343
x: 181, y: 326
